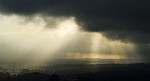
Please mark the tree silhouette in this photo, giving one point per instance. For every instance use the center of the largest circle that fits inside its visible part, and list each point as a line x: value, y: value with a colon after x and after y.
x: 54, y: 77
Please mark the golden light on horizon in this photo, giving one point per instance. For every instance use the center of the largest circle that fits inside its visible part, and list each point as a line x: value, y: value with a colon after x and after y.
x: 96, y: 56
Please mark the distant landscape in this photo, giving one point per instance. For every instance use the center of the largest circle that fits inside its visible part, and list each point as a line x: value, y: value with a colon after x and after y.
x: 66, y: 65
x: 80, y: 72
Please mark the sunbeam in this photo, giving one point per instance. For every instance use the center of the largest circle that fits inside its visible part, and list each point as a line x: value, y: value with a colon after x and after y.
x: 29, y: 41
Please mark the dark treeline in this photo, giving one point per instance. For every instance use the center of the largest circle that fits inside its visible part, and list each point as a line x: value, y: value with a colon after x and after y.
x: 128, y: 74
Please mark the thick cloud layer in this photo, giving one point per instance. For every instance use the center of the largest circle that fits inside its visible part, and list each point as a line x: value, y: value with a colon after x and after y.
x: 110, y: 16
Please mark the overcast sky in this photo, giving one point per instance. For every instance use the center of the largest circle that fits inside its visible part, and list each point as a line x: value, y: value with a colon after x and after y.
x: 44, y: 29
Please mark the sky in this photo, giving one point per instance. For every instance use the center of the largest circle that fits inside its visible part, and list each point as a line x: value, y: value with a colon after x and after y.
x: 40, y: 30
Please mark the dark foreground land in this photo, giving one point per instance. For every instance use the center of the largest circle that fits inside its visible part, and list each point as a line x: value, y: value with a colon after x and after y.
x: 98, y: 72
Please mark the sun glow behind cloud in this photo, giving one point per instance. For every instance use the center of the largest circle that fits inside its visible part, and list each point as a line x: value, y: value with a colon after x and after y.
x: 33, y: 36
x: 32, y: 41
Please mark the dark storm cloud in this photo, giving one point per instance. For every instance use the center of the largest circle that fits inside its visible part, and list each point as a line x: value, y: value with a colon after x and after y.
x: 109, y: 16
x: 144, y: 51
x: 129, y: 36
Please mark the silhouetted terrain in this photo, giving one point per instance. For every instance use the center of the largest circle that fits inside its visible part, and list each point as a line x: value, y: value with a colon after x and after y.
x: 111, y: 72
